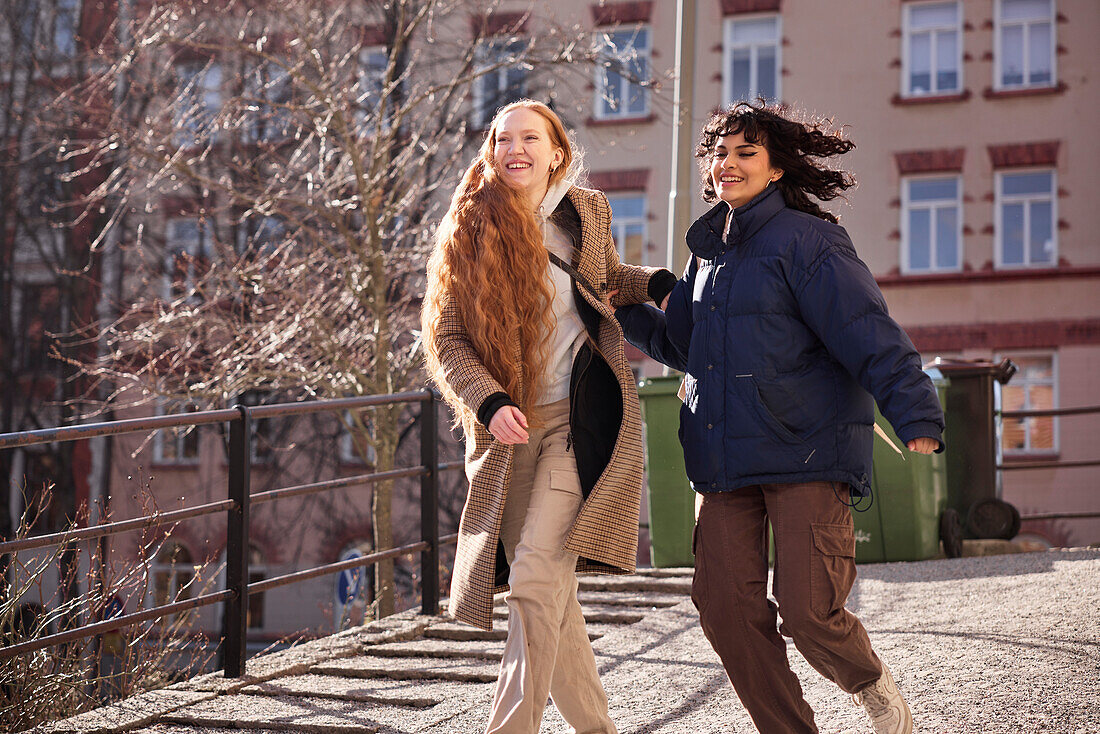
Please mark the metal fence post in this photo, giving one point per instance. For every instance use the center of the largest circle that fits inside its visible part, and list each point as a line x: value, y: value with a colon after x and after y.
x: 236, y: 546
x: 429, y: 506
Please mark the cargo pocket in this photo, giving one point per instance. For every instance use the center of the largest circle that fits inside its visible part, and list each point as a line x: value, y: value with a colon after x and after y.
x: 832, y: 567
x: 553, y: 511
x: 698, y: 578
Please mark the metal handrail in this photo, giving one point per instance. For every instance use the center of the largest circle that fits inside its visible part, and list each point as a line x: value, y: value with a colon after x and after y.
x: 1051, y: 464
x: 237, y: 507
x: 1049, y: 412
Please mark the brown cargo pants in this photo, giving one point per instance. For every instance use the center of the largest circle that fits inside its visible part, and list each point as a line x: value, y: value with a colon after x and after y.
x: 814, y: 572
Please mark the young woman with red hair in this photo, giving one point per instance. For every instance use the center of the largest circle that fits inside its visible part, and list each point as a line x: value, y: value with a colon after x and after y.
x: 531, y: 359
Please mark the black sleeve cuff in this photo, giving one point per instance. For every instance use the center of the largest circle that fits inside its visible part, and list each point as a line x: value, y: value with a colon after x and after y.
x: 661, y: 284
x: 491, y: 405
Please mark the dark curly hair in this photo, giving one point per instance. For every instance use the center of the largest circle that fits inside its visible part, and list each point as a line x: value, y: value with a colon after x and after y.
x: 793, y: 146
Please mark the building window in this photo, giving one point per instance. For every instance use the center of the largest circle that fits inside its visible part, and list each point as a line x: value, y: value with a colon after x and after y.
x: 1026, y: 219
x: 1024, y: 44
x: 187, y: 244
x: 65, y: 27
x: 751, y: 62
x: 269, y: 93
x: 265, y: 431
x: 622, y: 74
x: 1031, y: 388
x: 933, y: 52
x: 39, y: 323
x: 198, y: 100
x: 176, y: 445
x: 931, y: 224
x: 503, y: 77
x: 172, y: 572
x: 628, y: 219
x: 373, y: 63
x: 261, y: 236
x: 257, y: 571
x: 356, y: 439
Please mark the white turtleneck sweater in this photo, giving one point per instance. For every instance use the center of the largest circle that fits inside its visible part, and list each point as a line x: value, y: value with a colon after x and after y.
x: 568, y: 327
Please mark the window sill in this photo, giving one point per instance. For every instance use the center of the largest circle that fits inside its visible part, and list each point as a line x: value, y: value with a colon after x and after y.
x: 608, y: 121
x: 905, y: 101
x: 1027, y: 457
x: 988, y: 274
x: 991, y: 93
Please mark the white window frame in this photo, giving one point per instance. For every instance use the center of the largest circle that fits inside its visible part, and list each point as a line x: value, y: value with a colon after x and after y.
x: 907, y: 32
x: 66, y: 27
x: 492, y: 52
x: 619, y: 224
x: 618, y: 59
x: 998, y: 52
x: 178, y: 436
x: 934, y: 205
x: 196, y: 80
x: 348, y: 454
x: 371, y: 77
x: 1055, y: 400
x: 267, y: 85
x: 727, y: 56
x: 182, y: 576
x: 998, y: 222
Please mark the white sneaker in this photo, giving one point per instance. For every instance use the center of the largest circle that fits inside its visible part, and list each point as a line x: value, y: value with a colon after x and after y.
x: 884, y: 704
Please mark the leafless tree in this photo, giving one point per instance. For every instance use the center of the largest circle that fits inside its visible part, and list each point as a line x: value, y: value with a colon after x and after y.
x: 283, y: 167
x: 47, y: 269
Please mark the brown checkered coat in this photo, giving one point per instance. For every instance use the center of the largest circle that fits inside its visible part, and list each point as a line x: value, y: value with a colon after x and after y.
x: 605, y: 533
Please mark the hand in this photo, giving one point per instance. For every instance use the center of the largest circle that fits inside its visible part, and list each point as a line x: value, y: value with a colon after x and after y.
x: 664, y: 303
x: 923, y: 445
x: 508, y: 425
x: 607, y: 298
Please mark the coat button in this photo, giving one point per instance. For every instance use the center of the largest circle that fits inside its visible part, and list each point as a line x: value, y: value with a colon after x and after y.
x: 710, y: 425
x: 710, y: 366
x: 712, y: 308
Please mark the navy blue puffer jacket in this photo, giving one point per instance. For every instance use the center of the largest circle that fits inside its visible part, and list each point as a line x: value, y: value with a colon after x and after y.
x: 785, y: 337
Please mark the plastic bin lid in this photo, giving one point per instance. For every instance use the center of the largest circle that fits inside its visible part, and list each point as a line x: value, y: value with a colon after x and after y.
x: 1001, y: 371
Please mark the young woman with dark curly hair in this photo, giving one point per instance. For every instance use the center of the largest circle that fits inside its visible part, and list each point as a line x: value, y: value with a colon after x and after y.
x: 786, y: 344
x: 533, y: 362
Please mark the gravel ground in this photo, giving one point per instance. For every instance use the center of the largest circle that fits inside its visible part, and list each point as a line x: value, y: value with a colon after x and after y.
x: 1006, y: 643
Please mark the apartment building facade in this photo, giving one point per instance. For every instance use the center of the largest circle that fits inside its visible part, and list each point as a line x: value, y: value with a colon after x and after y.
x: 975, y: 160
x: 975, y: 157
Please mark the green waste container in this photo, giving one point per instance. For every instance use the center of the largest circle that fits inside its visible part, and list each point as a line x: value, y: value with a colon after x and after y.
x: 970, y: 405
x: 906, y: 518
x: 671, y: 499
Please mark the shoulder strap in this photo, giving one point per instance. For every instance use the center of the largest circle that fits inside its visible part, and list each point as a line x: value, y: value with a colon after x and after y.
x: 580, y: 279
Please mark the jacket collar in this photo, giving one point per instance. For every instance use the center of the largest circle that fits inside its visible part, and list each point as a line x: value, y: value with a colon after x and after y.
x: 707, y: 238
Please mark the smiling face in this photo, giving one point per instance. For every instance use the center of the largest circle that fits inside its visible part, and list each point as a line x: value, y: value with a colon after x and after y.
x: 740, y: 170
x: 525, y: 152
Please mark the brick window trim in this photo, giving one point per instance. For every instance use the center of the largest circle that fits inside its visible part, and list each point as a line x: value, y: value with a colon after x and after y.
x: 634, y: 179
x: 495, y: 24
x: 738, y: 7
x: 969, y: 276
x: 998, y: 336
x: 1019, y: 155
x: 918, y: 99
x: 991, y: 93
x: 618, y: 13
x: 941, y: 160
x: 177, y: 207
x: 372, y: 35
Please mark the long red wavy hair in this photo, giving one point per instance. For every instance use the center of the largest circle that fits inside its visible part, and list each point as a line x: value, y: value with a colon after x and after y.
x: 489, y: 261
